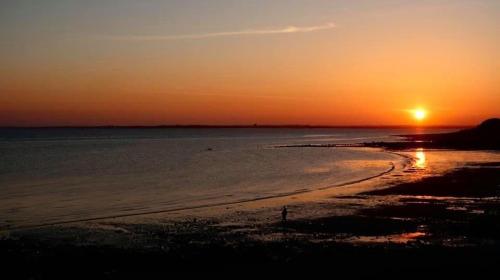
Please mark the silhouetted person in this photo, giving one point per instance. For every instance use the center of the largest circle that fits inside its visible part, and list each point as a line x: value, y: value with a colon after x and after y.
x: 284, y: 213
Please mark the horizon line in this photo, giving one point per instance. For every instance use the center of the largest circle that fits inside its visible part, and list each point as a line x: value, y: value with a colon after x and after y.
x: 230, y: 126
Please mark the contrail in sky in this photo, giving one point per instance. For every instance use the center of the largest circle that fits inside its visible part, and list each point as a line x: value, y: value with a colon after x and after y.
x: 286, y: 30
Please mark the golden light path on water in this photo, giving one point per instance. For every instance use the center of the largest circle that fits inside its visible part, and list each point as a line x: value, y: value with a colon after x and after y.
x: 420, y: 158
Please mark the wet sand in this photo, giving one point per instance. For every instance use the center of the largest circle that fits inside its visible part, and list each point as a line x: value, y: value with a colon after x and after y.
x: 447, y: 225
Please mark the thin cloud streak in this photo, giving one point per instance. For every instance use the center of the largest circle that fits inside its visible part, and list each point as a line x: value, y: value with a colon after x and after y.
x: 257, y: 96
x: 286, y: 30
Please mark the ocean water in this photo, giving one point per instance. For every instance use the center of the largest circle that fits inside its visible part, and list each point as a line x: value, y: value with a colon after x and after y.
x: 60, y: 175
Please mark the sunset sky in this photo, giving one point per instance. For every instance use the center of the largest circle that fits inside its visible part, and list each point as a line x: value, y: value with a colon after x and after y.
x: 151, y: 62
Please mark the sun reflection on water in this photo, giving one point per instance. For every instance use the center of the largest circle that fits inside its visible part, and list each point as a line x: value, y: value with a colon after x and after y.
x: 420, y: 156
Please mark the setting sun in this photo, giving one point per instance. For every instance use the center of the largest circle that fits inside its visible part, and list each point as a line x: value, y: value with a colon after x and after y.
x: 419, y: 114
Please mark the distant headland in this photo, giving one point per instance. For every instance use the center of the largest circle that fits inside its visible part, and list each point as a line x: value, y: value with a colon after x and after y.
x: 484, y: 136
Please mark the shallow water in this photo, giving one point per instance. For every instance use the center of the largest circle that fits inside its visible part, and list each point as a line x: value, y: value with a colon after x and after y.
x: 58, y: 175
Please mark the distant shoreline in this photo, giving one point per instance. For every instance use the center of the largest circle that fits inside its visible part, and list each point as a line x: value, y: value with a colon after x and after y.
x: 485, y: 136
x: 243, y: 126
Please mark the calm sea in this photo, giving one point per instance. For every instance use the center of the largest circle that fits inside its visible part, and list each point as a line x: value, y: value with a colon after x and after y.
x: 57, y: 175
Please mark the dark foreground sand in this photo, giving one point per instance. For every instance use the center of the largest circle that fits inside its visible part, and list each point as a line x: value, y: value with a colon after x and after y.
x: 440, y: 226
